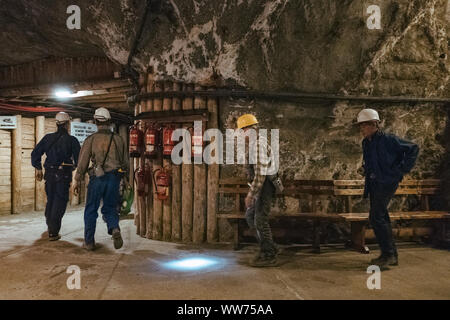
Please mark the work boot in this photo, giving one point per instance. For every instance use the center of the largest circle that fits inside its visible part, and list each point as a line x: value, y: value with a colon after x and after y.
x: 385, y: 260
x: 52, y: 237
x: 89, y: 246
x: 117, y: 237
x: 264, y: 261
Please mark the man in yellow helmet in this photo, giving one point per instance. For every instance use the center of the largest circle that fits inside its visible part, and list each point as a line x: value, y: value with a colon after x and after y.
x: 259, y: 198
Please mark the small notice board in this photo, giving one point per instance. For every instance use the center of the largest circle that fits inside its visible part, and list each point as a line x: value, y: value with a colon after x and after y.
x: 8, y: 122
x: 81, y: 130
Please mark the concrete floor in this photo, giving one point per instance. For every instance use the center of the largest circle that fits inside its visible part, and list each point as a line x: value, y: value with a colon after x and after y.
x: 34, y: 268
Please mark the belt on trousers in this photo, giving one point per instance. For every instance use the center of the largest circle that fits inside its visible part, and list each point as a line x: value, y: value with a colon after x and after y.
x: 62, y: 166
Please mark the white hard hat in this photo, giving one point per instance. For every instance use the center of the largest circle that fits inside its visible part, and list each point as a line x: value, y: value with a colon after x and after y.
x: 62, y: 117
x: 102, y: 115
x: 368, y: 115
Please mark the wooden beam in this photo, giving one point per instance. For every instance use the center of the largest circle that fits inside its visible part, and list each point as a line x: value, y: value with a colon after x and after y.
x: 50, y: 88
x: 142, y: 200
x: 16, y: 167
x: 187, y: 181
x: 200, y: 183
x: 157, y: 165
x: 39, y: 197
x: 58, y: 71
x: 167, y: 164
x: 176, y: 182
x: 213, y: 178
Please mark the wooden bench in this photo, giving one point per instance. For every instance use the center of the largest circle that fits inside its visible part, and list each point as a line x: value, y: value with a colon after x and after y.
x: 238, y: 188
x: 358, y: 221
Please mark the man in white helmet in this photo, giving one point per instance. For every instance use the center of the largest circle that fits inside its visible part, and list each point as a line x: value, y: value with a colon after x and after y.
x: 387, y: 159
x: 62, y: 152
x: 109, y: 157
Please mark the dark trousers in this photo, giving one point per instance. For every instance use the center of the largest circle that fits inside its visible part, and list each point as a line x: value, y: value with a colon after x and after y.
x: 380, y: 196
x: 257, y: 217
x: 57, y: 184
x: 105, y: 188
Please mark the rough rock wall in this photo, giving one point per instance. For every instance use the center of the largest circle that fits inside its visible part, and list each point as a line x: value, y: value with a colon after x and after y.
x: 320, y: 45
x: 306, y: 45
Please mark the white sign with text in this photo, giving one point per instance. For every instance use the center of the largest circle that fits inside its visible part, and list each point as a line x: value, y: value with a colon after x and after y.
x: 81, y: 130
x: 8, y: 122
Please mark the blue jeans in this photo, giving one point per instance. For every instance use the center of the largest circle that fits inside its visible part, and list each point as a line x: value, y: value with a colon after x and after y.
x: 105, y: 188
x: 380, y: 196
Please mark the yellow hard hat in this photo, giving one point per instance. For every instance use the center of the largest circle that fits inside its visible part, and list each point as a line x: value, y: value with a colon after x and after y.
x: 246, y: 120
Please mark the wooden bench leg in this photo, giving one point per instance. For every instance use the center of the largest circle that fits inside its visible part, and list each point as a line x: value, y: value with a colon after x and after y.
x: 439, y: 233
x: 358, y: 241
x: 316, y: 236
x: 236, y: 244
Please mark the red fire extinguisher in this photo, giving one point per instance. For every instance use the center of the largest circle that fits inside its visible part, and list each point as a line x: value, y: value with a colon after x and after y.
x: 168, y: 143
x: 162, y: 179
x: 143, y: 178
x: 136, y: 141
x: 139, y: 175
x: 151, y: 140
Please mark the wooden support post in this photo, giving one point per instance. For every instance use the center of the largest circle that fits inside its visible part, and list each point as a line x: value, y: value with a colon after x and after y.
x: 167, y: 204
x: 149, y: 202
x: 213, y: 177
x: 149, y: 88
x: 187, y: 181
x: 316, y: 225
x: 142, y: 200
x: 199, y: 209
x: 157, y: 164
x: 349, y: 204
x: 16, y: 167
x: 135, y: 161
x: 425, y: 204
x: 39, y: 197
x: 142, y: 207
x: 176, y: 181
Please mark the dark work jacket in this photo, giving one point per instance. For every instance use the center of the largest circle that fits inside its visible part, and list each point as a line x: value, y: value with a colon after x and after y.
x: 387, y: 158
x: 66, y: 149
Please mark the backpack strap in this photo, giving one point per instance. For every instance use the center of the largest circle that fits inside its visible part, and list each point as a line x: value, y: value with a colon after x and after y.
x: 109, y: 148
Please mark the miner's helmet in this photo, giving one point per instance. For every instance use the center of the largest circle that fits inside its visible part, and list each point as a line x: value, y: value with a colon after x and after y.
x: 246, y: 120
x: 366, y: 115
x: 102, y: 115
x: 62, y: 118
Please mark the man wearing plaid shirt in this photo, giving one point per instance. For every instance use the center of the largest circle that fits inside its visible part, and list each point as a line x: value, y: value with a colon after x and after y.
x: 259, y: 198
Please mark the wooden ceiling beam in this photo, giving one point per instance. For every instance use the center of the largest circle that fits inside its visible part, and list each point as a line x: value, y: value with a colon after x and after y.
x: 49, y: 89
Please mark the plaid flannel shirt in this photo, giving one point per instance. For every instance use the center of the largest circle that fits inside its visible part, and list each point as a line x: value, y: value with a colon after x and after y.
x: 261, y: 167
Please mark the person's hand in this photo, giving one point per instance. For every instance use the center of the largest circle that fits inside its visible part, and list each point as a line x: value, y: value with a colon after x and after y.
x: 126, y: 183
x: 39, y: 175
x: 76, y: 187
x: 361, y: 171
x: 249, y: 201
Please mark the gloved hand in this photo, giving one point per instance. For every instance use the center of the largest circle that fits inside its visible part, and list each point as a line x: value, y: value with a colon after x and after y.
x: 76, y: 187
x: 126, y: 183
x: 249, y: 201
x: 39, y: 175
x: 361, y: 171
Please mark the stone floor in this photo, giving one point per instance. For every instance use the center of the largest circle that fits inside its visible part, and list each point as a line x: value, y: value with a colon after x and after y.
x: 34, y: 268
